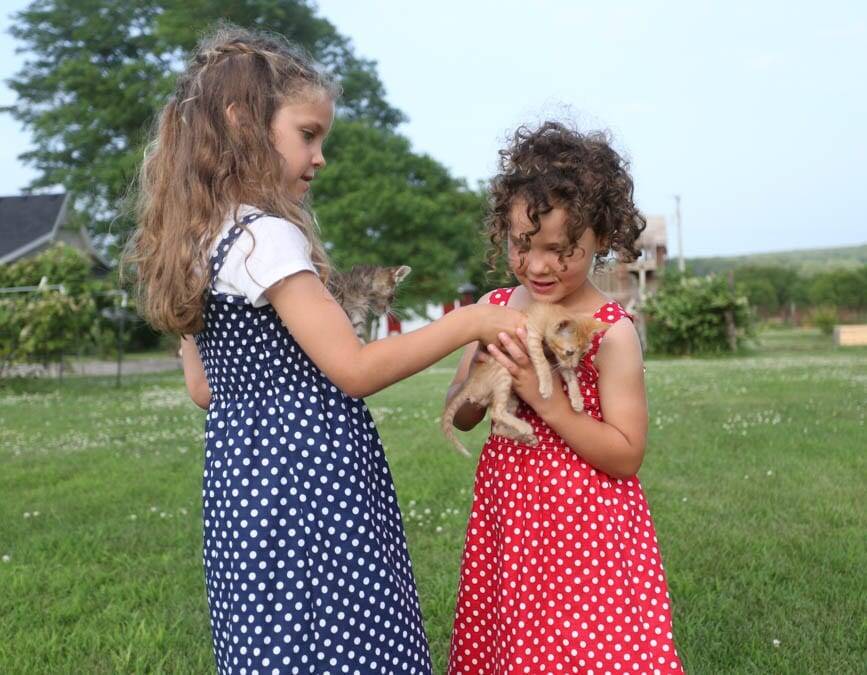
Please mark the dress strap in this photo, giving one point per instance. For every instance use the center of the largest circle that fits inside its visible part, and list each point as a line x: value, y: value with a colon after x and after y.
x: 612, y: 312
x: 219, y: 257
x: 501, y: 296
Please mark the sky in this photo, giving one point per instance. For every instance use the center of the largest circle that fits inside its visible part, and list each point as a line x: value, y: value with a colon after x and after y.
x: 755, y: 113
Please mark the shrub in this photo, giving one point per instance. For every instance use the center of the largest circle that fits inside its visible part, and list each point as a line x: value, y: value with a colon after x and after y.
x: 695, y: 315
x: 824, y: 318
x: 39, y: 327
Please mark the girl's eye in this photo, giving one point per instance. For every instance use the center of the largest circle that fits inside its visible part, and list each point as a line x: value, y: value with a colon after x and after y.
x: 307, y: 134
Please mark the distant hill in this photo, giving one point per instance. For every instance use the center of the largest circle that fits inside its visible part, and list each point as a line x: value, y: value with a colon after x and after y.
x: 806, y: 261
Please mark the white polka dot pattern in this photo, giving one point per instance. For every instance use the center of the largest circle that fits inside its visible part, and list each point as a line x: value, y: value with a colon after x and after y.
x: 306, y: 563
x: 561, y: 571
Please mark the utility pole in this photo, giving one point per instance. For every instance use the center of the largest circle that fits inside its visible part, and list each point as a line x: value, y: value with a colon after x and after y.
x: 681, y: 265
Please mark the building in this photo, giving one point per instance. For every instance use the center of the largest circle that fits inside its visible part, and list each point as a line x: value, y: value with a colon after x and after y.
x: 630, y: 283
x: 31, y: 223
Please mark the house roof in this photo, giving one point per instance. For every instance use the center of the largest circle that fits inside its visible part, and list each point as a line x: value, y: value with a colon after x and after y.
x: 655, y: 233
x: 28, y: 221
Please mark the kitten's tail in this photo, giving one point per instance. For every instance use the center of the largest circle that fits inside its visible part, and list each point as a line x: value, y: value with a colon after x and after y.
x: 448, y: 419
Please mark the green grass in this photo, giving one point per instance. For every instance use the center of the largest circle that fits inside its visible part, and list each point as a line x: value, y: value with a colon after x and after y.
x: 754, y: 473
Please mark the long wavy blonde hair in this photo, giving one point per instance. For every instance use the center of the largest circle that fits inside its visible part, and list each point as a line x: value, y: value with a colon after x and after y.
x: 200, y: 167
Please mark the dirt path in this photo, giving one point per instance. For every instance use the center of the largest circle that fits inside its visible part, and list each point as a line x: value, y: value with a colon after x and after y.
x: 97, y: 368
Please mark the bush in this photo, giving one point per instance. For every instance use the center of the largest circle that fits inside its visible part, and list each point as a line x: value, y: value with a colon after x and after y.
x: 40, y: 327
x: 692, y: 315
x: 824, y: 318
x: 60, y: 264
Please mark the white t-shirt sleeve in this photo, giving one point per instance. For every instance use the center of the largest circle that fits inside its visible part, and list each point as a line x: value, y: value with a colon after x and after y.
x: 269, y: 250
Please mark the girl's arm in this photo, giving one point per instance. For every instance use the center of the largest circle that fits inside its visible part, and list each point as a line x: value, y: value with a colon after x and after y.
x: 615, y: 446
x: 469, y: 414
x: 194, y: 373
x: 324, y: 332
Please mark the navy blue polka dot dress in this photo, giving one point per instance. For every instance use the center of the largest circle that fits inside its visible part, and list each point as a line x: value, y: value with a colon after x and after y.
x: 306, y: 562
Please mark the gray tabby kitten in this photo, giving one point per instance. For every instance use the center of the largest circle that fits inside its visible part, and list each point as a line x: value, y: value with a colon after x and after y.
x: 366, y: 293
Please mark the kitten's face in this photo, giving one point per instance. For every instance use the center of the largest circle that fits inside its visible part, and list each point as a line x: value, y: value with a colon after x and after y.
x: 569, y: 339
x: 383, y: 285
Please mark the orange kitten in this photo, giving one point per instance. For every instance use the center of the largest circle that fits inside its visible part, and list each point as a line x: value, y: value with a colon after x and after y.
x: 555, y: 338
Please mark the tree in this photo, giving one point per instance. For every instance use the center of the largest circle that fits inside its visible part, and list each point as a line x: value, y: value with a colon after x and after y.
x: 380, y: 203
x: 844, y: 288
x: 99, y: 70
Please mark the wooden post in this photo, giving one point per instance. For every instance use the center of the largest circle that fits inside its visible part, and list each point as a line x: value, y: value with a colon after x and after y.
x: 731, y: 329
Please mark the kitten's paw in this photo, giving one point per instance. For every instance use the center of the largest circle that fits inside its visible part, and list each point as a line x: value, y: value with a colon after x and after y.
x: 577, y: 403
x: 529, y: 439
x: 546, y: 389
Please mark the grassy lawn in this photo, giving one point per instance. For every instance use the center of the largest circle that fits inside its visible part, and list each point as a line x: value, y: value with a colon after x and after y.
x: 753, y: 473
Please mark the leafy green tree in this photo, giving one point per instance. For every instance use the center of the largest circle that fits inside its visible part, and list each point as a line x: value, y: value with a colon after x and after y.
x: 380, y: 203
x: 840, y: 288
x: 770, y: 288
x: 98, y: 70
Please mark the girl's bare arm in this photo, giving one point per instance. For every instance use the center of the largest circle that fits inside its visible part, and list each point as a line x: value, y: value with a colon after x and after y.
x: 469, y: 414
x: 324, y: 332
x: 194, y: 373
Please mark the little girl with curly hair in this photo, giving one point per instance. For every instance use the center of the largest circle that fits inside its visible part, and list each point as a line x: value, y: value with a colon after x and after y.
x: 561, y: 571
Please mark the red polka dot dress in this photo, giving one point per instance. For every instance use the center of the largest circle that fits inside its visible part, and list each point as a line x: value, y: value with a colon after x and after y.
x: 561, y: 572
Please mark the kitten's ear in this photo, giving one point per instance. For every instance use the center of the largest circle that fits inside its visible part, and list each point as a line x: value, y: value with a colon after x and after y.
x: 564, y: 326
x: 400, y: 273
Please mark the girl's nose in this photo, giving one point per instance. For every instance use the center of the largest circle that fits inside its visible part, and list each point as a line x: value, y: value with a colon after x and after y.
x: 537, y: 264
x: 318, y: 160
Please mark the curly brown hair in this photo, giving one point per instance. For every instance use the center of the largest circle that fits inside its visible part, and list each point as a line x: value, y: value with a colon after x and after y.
x: 555, y: 166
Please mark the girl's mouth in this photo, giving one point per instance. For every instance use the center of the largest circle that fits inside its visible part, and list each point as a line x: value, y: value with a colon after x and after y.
x: 542, y: 287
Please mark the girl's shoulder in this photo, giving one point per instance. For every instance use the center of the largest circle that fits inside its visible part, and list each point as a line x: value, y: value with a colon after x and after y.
x: 255, y: 251
x: 619, y: 339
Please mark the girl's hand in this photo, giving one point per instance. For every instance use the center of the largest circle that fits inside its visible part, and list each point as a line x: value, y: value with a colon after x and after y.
x: 512, y: 355
x: 495, y: 319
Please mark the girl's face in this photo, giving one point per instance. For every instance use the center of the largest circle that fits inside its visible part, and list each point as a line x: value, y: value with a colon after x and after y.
x: 299, y: 129
x: 540, y: 269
